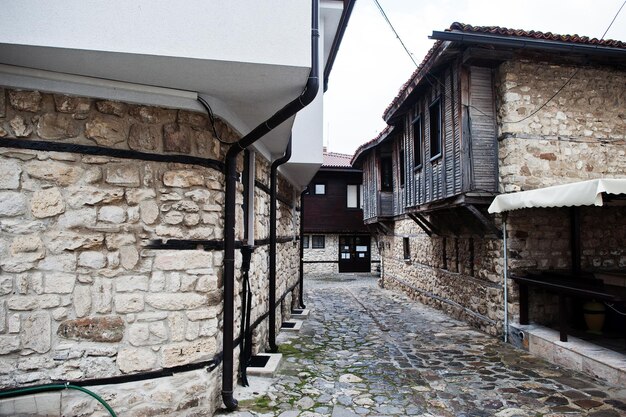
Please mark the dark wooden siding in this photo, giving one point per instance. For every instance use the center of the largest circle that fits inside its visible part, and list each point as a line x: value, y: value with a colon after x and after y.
x: 329, y: 213
x: 483, y: 146
x: 468, y: 160
x: 370, y: 186
x: 441, y: 177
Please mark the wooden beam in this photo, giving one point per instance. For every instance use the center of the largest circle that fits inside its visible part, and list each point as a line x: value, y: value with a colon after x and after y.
x: 384, y: 228
x: 428, y: 224
x: 420, y: 224
x: 489, y: 225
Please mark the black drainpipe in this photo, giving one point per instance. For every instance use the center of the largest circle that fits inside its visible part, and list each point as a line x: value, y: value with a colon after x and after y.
x: 231, y: 176
x: 272, y: 291
x: 302, y: 247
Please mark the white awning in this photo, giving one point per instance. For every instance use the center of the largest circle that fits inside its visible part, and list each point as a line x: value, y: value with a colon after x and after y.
x: 584, y: 193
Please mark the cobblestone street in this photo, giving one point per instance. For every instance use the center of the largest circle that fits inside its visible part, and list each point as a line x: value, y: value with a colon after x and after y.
x: 365, y: 351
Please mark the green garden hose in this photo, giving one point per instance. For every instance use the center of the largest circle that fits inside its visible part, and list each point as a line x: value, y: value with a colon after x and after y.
x: 56, y: 387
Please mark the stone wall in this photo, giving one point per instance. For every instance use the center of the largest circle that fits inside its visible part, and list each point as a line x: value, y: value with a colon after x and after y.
x: 579, y: 135
x: 325, y: 261
x: 81, y: 296
x: 446, y: 282
x: 538, y: 239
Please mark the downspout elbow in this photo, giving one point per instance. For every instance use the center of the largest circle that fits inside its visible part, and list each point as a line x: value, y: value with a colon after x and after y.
x: 229, y: 400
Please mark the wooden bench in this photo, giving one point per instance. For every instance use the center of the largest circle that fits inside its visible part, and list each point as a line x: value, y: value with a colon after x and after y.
x: 585, y: 287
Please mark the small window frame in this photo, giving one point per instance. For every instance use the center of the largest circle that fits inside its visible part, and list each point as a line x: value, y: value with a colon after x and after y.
x: 318, y: 241
x: 386, y: 172
x: 359, y: 203
x: 436, y: 139
x: 406, y: 248
x: 418, y: 142
x: 316, y: 191
x: 401, y: 161
x: 305, y: 241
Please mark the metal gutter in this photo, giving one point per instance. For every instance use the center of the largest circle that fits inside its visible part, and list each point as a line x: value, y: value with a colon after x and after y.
x: 527, y: 43
x: 231, y: 176
x: 272, y: 287
x: 343, y: 24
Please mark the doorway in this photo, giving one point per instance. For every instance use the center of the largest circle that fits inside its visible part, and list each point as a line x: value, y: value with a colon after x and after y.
x: 354, y: 254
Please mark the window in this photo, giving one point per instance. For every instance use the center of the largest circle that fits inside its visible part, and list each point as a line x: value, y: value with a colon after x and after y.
x: 320, y: 189
x: 406, y: 248
x: 435, y: 129
x: 417, y: 141
x: 305, y: 241
x: 386, y: 174
x: 352, y: 198
x: 361, y: 194
x: 401, y: 167
x: 318, y: 241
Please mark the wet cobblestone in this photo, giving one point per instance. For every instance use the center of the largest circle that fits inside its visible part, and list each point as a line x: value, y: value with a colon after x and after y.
x: 365, y: 351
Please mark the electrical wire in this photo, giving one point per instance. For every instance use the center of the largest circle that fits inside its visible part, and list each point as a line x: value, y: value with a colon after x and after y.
x: 380, y: 8
x: 571, y: 77
x: 427, y: 74
x: 211, y: 115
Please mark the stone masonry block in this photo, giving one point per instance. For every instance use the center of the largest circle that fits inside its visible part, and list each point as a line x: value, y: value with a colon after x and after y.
x: 129, y: 303
x: 81, y: 299
x: 25, y: 100
x: 112, y: 214
x: 107, y: 329
x: 92, y: 259
x: 144, y: 137
x: 21, y: 127
x: 106, y: 130
x: 59, y: 283
x: 57, y: 126
x: 183, y: 178
x: 173, y: 302
x: 112, y: 107
x: 12, y: 204
x: 69, y: 104
x: 58, y: 172
x: 176, y: 138
x: 131, y: 283
x: 47, y: 203
x: 124, y: 175
x: 188, y: 352
x: 182, y: 260
x: 10, y: 171
x: 36, y: 333
x: 135, y: 359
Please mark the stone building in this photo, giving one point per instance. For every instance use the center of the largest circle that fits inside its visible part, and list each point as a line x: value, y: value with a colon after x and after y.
x: 115, y: 270
x: 481, y: 116
x: 334, y: 237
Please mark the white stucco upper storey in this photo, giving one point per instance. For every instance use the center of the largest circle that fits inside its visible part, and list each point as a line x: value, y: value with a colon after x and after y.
x: 247, y: 58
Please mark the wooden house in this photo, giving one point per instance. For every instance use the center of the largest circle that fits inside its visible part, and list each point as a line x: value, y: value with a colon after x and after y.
x: 335, y: 238
x: 492, y: 110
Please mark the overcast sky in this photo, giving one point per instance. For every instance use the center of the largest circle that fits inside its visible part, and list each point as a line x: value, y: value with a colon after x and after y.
x: 372, y: 65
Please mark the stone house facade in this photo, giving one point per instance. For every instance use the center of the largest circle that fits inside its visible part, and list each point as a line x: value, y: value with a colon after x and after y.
x: 90, y: 288
x: 113, y: 195
x: 473, y: 121
x: 335, y: 240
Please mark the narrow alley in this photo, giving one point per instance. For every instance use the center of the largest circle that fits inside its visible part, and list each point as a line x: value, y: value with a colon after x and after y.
x: 365, y: 351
